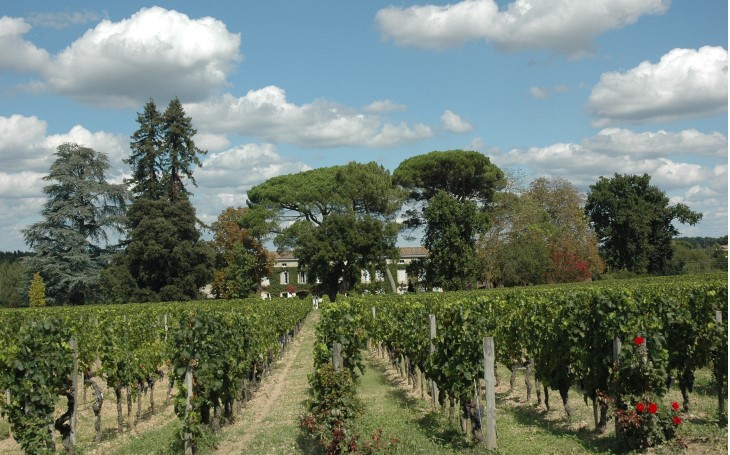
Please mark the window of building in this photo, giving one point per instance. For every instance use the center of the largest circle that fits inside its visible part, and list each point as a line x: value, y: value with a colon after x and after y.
x: 402, y: 277
x: 265, y: 281
x: 302, y: 277
x: 284, y: 277
x: 379, y: 276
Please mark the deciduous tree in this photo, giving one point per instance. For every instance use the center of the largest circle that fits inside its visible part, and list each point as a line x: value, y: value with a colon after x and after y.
x: 337, y: 219
x: 449, y: 193
x: 633, y: 220
x: 241, y: 259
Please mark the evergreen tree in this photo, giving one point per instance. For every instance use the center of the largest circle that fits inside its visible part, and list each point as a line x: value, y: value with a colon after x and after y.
x: 145, y: 159
x: 178, y: 149
x: 71, y: 241
x: 37, y: 293
x: 165, y: 256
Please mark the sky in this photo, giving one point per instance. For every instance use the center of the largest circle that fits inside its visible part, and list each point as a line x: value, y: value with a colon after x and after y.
x: 545, y: 88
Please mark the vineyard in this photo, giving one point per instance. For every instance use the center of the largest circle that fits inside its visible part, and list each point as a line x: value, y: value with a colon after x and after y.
x: 213, y: 355
x: 620, y: 344
x: 566, y: 337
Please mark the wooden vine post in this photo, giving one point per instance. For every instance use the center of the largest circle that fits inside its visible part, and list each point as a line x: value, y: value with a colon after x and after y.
x: 490, y: 404
x: 719, y: 380
x: 74, y: 387
x: 7, y: 401
x: 616, y: 364
x: 432, y: 384
x: 188, y: 409
x: 337, y: 356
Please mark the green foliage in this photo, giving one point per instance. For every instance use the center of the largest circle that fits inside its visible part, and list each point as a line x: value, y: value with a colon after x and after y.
x: 37, y: 292
x: 333, y: 407
x: 539, y: 235
x: 450, y: 192
x: 466, y: 175
x: 146, y: 159
x: 179, y: 153
x: 568, y: 331
x: 697, y: 255
x: 241, y: 260
x: 36, y: 371
x: 165, y: 253
x: 12, y: 279
x: 70, y: 242
x: 451, y: 230
x: 334, y: 403
x: 343, y: 220
x: 224, y: 342
x: 633, y: 220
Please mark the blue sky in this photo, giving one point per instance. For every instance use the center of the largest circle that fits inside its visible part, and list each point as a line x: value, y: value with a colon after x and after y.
x: 559, y: 88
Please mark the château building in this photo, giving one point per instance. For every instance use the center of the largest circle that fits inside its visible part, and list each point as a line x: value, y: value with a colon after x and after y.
x: 286, y: 280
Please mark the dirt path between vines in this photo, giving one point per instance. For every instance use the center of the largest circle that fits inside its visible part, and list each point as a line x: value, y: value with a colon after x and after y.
x: 270, y: 421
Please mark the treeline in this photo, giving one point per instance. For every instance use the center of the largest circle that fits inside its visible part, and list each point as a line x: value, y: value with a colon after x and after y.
x: 140, y: 240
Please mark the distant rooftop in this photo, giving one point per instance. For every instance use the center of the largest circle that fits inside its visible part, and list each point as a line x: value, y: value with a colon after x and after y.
x: 405, y: 252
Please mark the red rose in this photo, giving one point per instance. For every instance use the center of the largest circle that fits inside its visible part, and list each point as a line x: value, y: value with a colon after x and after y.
x: 652, y: 408
x: 675, y: 405
x: 640, y: 407
x: 677, y: 420
x: 639, y: 340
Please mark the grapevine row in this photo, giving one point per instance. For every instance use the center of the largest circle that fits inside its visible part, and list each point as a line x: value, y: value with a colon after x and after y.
x: 564, y: 333
x: 225, y: 346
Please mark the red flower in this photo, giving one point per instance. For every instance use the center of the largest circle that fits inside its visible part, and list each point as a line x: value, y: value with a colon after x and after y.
x: 640, y: 407
x: 652, y: 408
x: 677, y: 420
x: 639, y: 340
x: 675, y: 405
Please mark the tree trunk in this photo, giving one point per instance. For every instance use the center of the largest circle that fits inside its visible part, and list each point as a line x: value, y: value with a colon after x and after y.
x: 528, y: 378
x: 96, y: 407
x: 63, y: 424
x: 151, y: 386
x: 512, y: 377
x: 138, y: 416
x: 564, y: 396
x: 120, y: 414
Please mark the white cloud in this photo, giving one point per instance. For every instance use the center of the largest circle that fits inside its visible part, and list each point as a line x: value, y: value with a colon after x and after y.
x: 616, y: 141
x: 21, y: 140
x: 154, y: 53
x: 391, y: 134
x: 565, y: 26
x: 18, y: 54
x: 266, y: 113
x: 583, y: 165
x: 21, y: 184
x: 476, y: 144
x: 212, y: 142
x: 384, y: 106
x: 114, y: 146
x: 539, y: 93
x: 685, y: 83
x: 454, y: 123
x: 61, y: 20
x: 225, y: 177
